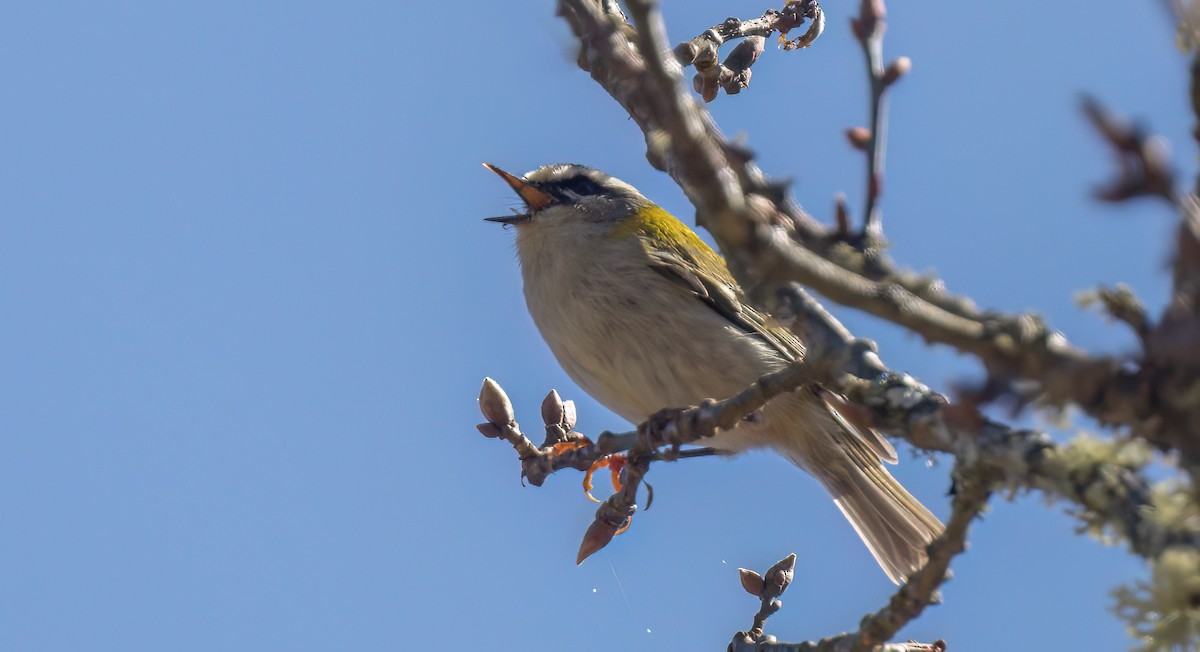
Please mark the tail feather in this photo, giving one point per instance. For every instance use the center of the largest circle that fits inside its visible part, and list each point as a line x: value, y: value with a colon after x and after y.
x: 893, y: 524
x: 895, y: 527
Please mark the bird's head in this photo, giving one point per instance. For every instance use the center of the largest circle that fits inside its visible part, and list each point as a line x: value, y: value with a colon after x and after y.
x: 568, y: 195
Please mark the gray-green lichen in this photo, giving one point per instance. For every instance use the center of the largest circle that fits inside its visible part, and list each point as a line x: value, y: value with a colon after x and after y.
x: 1160, y: 523
x: 1175, y: 507
x: 1163, y: 614
x: 1090, y: 472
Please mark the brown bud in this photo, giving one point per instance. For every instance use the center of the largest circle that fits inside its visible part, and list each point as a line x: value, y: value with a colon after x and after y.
x: 859, y: 137
x: 598, y: 534
x: 552, y: 408
x: 869, y: 21
x: 733, y: 84
x: 488, y: 430
x: 746, y: 53
x: 751, y: 581
x: 725, y: 78
x: 568, y: 419
x: 898, y: 68
x: 872, y: 10
x: 494, y: 403
x: 707, y: 87
x: 559, y: 417
x: 776, y: 581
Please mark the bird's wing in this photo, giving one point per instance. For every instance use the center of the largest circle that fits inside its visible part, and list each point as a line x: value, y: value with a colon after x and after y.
x: 713, y: 285
x: 699, y: 270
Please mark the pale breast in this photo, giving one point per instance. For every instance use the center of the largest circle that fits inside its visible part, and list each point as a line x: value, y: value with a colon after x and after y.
x: 632, y: 339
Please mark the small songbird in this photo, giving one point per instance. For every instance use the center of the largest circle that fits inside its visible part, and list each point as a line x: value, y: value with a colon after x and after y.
x: 643, y: 316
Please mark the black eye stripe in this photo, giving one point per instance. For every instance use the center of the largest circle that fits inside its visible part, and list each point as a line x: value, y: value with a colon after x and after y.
x: 581, y: 185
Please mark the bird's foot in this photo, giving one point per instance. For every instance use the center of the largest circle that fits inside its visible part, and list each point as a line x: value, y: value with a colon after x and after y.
x: 662, y: 429
x: 567, y: 446
x: 614, y: 463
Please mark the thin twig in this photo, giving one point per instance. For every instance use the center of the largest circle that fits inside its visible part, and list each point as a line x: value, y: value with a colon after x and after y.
x: 973, y: 488
x: 910, y: 599
x: 670, y: 428
x: 734, y: 74
x: 1142, y: 160
x: 868, y: 28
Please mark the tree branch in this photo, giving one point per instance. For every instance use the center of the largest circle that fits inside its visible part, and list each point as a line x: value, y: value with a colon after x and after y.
x: 743, y: 210
x: 765, y: 236
x: 734, y: 74
x: 973, y: 490
x: 868, y: 28
x: 671, y: 428
x: 768, y: 588
x: 1106, y: 492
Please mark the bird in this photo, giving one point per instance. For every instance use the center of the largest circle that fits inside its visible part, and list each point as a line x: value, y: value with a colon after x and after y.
x: 643, y: 315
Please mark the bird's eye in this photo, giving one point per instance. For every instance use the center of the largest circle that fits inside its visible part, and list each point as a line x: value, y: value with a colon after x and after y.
x: 582, y: 185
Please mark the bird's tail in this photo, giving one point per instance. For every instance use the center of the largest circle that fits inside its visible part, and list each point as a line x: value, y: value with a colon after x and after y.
x: 893, y: 524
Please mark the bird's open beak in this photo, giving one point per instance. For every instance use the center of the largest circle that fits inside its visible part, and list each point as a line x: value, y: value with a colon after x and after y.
x: 534, y: 199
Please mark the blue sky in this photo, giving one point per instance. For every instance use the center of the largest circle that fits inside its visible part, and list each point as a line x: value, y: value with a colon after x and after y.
x: 248, y: 301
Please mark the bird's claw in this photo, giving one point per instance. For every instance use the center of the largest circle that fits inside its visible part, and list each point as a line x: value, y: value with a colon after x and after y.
x: 614, y: 463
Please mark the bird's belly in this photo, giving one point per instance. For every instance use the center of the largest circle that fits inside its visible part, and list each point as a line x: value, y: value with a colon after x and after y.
x: 658, y: 349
